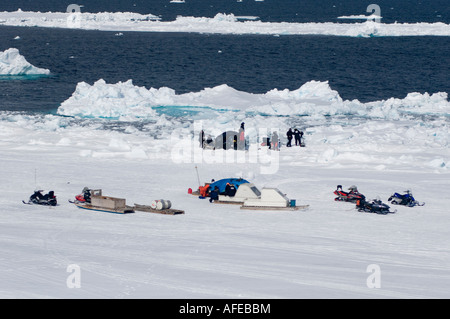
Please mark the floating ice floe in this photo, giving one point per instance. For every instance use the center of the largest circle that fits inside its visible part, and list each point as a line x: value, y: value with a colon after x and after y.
x: 221, y: 23
x: 12, y: 63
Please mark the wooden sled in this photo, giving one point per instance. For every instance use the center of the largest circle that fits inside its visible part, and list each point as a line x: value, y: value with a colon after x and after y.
x: 105, y: 204
x: 275, y: 208
x: 149, y: 209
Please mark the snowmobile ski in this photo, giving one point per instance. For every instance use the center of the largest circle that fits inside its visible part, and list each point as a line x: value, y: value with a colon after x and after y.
x: 45, y: 203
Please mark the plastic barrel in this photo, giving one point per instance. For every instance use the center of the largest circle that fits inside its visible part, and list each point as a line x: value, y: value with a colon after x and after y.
x: 293, y: 203
x: 154, y: 203
x: 161, y: 204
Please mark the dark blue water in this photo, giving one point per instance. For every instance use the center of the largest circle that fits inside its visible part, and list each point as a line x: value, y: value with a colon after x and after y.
x: 366, y: 69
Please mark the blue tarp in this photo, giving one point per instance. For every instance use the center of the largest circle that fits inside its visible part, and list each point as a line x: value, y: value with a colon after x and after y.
x: 221, y: 184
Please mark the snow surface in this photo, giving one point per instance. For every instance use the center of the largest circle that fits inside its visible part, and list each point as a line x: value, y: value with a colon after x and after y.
x: 220, y: 251
x: 13, y: 63
x: 221, y: 23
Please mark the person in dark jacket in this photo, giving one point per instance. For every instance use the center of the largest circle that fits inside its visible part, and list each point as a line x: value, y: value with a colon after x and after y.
x: 289, y: 135
x: 37, y: 196
x: 201, y: 139
x: 230, y: 190
x: 297, y: 137
x: 50, y: 198
x: 87, y: 194
x: 214, y: 195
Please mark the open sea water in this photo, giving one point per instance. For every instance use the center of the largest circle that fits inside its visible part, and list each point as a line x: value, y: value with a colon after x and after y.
x: 367, y: 69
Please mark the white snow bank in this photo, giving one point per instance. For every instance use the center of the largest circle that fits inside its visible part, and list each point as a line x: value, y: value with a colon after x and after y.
x: 314, y: 98
x: 12, y: 63
x: 221, y: 23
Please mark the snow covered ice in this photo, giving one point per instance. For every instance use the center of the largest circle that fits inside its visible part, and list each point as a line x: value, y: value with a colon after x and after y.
x: 13, y: 63
x: 219, y: 251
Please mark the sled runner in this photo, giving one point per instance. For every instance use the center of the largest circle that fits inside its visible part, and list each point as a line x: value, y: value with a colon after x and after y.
x: 273, y: 208
x: 271, y: 199
x: 43, y: 203
x: 125, y: 210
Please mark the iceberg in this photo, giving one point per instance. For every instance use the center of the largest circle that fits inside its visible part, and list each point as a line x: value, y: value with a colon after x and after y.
x: 13, y: 63
x: 103, y: 100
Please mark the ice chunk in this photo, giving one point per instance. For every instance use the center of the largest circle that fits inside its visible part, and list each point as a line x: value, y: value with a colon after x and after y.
x: 103, y: 100
x: 12, y: 63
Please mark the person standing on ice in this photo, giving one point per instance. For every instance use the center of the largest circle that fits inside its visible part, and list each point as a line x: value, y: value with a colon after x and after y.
x: 298, y: 137
x: 289, y: 135
x: 201, y: 139
x: 242, y: 137
x: 214, y: 195
x: 275, y: 142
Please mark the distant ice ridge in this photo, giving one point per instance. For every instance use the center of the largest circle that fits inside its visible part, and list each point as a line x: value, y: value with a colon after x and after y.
x: 313, y: 99
x: 12, y: 63
x: 221, y: 23
x: 82, y: 20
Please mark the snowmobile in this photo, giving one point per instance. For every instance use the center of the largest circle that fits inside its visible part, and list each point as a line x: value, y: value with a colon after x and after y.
x: 405, y: 199
x: 38, y: 199
x: 85, y: 196
x: 376, y: 206
x: 351, y: 196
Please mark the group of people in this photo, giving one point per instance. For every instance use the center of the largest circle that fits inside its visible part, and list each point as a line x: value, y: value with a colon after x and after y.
x: 230, y: 190
x: 296, y: 134
x: 272, y: 141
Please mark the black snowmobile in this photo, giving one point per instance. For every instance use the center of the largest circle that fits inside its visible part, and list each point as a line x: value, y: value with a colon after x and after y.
x: 38, y: 199
x: 404, y: 199
x: 352, y: 196
x: 375, y: 206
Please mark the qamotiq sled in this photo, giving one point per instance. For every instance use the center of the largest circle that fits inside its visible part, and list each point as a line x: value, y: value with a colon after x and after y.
x: 104, y: 204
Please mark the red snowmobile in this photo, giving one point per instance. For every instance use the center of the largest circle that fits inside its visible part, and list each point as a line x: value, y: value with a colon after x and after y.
x: 352, y: 196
